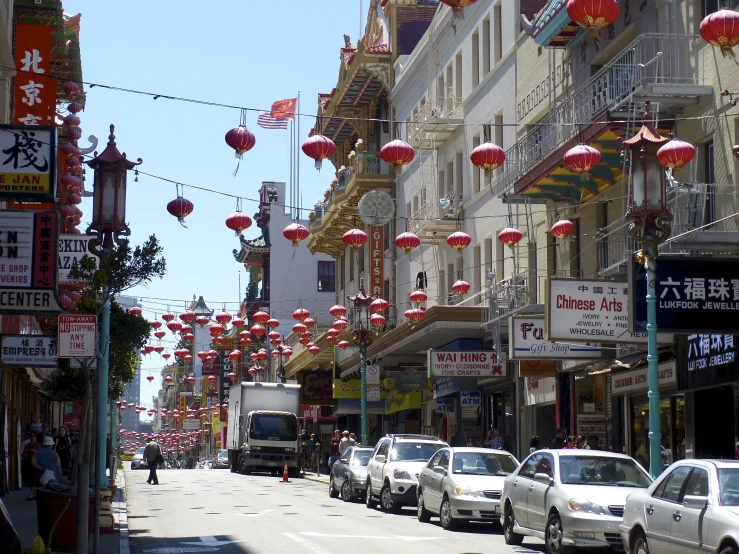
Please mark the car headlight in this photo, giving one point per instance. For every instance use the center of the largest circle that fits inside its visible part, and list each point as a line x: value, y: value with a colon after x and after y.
x: 401, y: 474
x: 586, y: 506
x: 465, y: 491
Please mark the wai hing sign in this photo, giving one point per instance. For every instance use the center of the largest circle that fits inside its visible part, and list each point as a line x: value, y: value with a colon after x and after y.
x: 466, y: 363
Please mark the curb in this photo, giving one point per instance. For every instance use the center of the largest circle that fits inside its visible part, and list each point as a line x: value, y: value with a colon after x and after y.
x: 121, y: 511
x: 317, y: 479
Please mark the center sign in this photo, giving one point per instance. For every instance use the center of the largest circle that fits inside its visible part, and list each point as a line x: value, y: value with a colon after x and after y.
x: 466, y: 363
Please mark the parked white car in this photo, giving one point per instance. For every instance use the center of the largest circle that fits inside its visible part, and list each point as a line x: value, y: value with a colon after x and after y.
x: 138, y: 462
x: 393, y: 469
x: 463, y: 484
x: 570, y: 498
x: 692, y: 507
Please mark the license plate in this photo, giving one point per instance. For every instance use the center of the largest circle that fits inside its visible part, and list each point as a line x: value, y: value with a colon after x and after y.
x: 497, y: 509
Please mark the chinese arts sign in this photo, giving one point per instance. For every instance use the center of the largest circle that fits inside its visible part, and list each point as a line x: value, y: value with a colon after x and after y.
x: 28, y: 252
x: 27, y: 163
x: 692, y: 296
x: 35, y: 91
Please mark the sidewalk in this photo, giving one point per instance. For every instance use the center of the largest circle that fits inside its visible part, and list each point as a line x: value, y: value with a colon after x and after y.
x: 23, y: 515
x: 311, y: 476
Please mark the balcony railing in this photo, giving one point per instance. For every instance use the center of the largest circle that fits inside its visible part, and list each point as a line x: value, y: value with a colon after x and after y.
x: 434, y: 112
x: 436, y: 210
x: 650, y: 61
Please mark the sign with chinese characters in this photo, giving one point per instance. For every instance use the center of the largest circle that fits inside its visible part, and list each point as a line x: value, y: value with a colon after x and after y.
x: 444, y: 405
x: 693, y: 295
x: 636, y: 380
x: 28, y: 252
x: 590, y: 310
x: 466, y: 363
x: 527, y: 342
x: 27, y: 163
x: 445, y: 386
x: 377, y: 261
x: 77, y: 336
x: 34, y: 92
x: 710, y: 351
x: 28, y: 350
x: 72, y: 248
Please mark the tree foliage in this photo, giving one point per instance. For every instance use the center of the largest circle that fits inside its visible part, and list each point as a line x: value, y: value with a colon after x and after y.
x: 128, y: 333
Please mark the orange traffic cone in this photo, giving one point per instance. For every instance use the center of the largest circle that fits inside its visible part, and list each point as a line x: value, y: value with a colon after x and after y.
x: 285, y: 474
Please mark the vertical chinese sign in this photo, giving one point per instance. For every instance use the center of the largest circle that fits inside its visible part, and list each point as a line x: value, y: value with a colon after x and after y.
x: 35, y: 92
x: 377, y: 261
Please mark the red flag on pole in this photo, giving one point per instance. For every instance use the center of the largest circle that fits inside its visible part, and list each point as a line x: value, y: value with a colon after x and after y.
x: 284, y: 109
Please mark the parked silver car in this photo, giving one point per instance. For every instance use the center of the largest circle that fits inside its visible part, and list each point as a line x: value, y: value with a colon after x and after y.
x: 138, y: 462
x: 221, y: 460
x: 463, y: 484
x: 570, y: 498
x: 349, y: 474
x: 692, y: 507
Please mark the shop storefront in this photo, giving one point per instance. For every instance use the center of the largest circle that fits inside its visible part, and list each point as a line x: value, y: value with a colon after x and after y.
x: 403, y: 412
x: 539, y: 412
x: 348, y: 395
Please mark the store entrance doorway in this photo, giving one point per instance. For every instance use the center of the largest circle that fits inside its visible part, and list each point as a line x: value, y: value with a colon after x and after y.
x: 714, y: 423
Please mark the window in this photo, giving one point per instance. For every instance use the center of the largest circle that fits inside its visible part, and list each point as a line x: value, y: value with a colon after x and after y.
x: 326, y: 276
x: 485, y: 46
x: 459, y: 78
x: 529, y: 466
x: 674, y: 484
x: 711, y: 6
x: 436, y: 459
x: 476, y: 171
x: 709, y: 211
x: 498, y: 38
x: 382, y: 448
x: 697, y: 484
x: 475, y: 58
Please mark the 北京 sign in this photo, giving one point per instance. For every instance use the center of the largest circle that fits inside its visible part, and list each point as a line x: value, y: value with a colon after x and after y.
x: 28, y: 257
x: 72, y: 248
x: 527, y: 342
x: 27, y: 163
x: 693, y: 295
x: 77, y: 336
x: 590, y: 311
x: 466, y: 363
x: 28, y: 351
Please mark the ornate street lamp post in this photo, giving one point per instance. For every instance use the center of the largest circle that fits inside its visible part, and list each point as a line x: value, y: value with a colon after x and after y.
x: 361, y: 331
x: 650, y: 227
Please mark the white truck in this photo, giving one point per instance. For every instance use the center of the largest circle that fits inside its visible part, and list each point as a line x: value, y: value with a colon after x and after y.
x: 263, y: 427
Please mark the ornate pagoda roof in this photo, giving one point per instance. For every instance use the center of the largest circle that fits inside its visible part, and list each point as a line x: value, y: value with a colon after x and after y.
x: 252, y: 250
x: 553, y: 27
x: 200, y: 308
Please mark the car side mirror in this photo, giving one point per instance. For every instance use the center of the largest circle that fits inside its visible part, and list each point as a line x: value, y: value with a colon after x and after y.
x: 440, y: 470
x: 380, y: 458
x: 696, y: 502
x: 543, y: 478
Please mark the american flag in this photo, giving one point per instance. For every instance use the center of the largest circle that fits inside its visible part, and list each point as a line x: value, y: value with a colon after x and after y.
x: 266, y: 121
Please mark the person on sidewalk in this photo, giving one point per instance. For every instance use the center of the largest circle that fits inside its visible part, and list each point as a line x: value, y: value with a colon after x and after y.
x: 352, y: 439
x: 152, y: 454
x: 29, y: 451
x: 334, y: 449
x: 45, y: 460
x: 345, y: 443
x: 63, y: 447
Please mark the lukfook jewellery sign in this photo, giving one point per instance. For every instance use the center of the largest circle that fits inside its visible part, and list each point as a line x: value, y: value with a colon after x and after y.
x: 466, y: 363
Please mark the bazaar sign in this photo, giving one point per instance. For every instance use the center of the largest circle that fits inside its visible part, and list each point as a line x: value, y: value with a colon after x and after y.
x: 72, y: 248
x: 28, y: 255
x: 466, y: 363
x: 28, y: 351
x: 27, y: 163
x: 35, y: 91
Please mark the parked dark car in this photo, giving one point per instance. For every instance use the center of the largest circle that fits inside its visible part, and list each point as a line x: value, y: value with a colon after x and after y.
x: 349, y: 474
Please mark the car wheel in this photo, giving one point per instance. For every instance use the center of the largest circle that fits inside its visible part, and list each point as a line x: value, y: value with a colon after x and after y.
x: 553, y: 535
x: 424, y: 516
x: 639, y: 543
x: 332, y: 492
x: 368, y: 500
x: 729, y: 550
x: 510, y: 537
x: 445, y: 515
x: 346, y: 491
x: 386, y: 500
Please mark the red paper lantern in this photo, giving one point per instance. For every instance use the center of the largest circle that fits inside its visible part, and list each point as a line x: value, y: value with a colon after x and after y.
x: 355, y: 238
x: 487, y: 156
x: 231, y: 375
x: 332, y: 332
x: 581, y: 159
x: 202, y: 355
x: 74, y: 107
x: 174, y: 326
x: 258, y: 330
x: 238, y: 322
x: 241, y: 140
x: 167, y: 317
x: 190, y: 379
x: 414, y: 314
x: 150, y: 378
x: 245, y: 341
x: 187, y: 317
x: 318, y: 147
x: 459, y: 240
x: 273, y: 323
x: 313, y: 349
x: 155, y: 324
x: 721, y: 29
x: 307, y: 335
x: 134, y: 311
x: 272, y: 335
x: 510, y: 236
x: 158, y: 349
x: 223, y: 318
x: 379, y: 305
x: 252, y: 370
x: 234, y: 355
x: 168, y: 379
x: 212, y: 379
x: 188, y: 337
x: 309, y: 322
x: 343, y: 344
x: 676, y: 153
x: 216, y: 329
x: 260, y: 317
x: 217, y: 340
x: 458, y: 6
x: 166, y: 356
x: 418, y: 296
x: 180, y: 208
x: 341, y: 324
x: 377, y: 320
x: 71, y: 88
x: 407, y: 241
x: 593, y: 15
x: 238, y: 222
x: 562, y: 229
x: 331, y: 339
x: 188, y: 358
x: 262, y: 354
x: 337, y: 311
x: 397, y: 153
x: 461, y: 287
x: 301, y: 314
x: 295, y: 233
x: 287, y: 352
x: 299, y: 328
x: 202, y: 320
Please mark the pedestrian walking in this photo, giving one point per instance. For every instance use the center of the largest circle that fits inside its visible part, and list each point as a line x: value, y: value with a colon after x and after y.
x: 593, y: 443
x: 153, y: 456
x: 571, y: 443
x: 470, y: 443
x: 345, y: 442
x: 45, y: 460
x: 559, y: 439
x: 63, y: 448
x: 334, y: 449
x: 353, y: 439
x: 33, y: 445
x: 534, y: 443
x: 495, y: 440
x: 581, y: 442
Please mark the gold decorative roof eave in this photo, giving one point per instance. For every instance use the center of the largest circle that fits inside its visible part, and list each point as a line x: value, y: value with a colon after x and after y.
x: 304, y: 359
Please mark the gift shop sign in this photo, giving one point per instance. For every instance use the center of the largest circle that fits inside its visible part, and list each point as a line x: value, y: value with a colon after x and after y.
x: 27, y: 163
x: 590, y: 311
x: 466, y: 363
x: 77, y: 336
x: 28, y: 351
x: 527, y: 343
x: 28, y: 256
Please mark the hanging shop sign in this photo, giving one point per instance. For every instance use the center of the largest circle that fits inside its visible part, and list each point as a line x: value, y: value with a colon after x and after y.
x: 710, y: 351
x: 527, y: 342
x: 590, y: 310
x: 28, y: 351
x: 28, y: 253
x: 191, y: 424
x: 373, y: 374
x: 403, y: 380
x: 377, y: 261
x: 27, y: 163
x: 445, y: 386
x: 537, y: 368
x: 72, y: 248
x: 692, y: 296
x: 374, y: 394
x: 466, y: 363
x: 353, y: 389
x: 34, y: 91
x: 77, y: 336
x: 540, y: 390
x: 317, y: 387
x: 399, y: 401
x: 444, y: 405
x: 636, y: 380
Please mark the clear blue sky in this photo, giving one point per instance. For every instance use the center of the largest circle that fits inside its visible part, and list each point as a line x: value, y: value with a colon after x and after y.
x: 235, y: 52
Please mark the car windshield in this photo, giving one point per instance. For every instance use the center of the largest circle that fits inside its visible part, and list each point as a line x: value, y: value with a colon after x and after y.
x: 274, y: 427
x: 223, y: 453
x: 728, y: 480
x: 413, y: 451
x: 141, y: 450
x: 479, y: 463
x: 361, y: 459
x: 592, y: 470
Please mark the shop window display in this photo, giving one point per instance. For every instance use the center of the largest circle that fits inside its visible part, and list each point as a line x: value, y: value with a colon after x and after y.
x: 672, y: 427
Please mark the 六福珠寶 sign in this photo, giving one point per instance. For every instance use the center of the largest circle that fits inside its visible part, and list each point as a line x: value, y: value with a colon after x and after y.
x: 466, y: 363
x: 706, y: 351
x: 77, y: 336
x: 28, y: 350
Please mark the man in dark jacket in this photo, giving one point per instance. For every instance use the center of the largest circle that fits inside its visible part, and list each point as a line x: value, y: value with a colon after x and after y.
x: 151, y: 453
x: 560, y: 439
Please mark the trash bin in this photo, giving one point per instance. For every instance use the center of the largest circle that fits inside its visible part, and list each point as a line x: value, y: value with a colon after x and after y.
x: 53, y: 506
